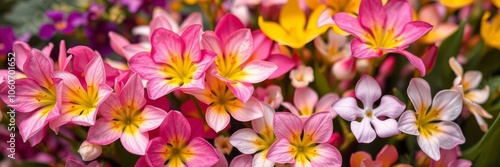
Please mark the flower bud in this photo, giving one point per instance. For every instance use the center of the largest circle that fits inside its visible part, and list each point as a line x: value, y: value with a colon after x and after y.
x: 89, y: 151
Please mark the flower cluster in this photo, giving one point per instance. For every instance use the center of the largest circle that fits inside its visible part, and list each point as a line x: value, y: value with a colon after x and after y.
x: 218, y: 83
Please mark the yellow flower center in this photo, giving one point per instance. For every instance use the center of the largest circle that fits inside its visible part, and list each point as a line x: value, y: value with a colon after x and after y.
x: 383, y: 39
x: 128, y: 119
x: 61, y: 25
x: 81, y: 102
x: 181, y: 71
x: 427, y: 122
x: 47, y: 99
x: 303, y: 149
x: 177, y: 153
x: 228, y: 67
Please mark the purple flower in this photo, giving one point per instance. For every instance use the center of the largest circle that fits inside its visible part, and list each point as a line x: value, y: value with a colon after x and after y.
x: 6, y: 40
x: 64, y: 25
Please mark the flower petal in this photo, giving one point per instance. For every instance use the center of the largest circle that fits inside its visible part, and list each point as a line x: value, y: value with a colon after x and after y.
x: 144, y: 65
x: 245, y: 140
x: 347, y: 108
x: 326, y: 155
x: 388, y: 155
x: 103, y: 132
x: 358, y: 157
x: 133, y: 91
x: 239, y: 46
x: 305, y: 99
x: 385, y: 128
x: 368, y: 91
x: 158, y: 22
x: 39, y: 68
x: 430, y: 146
x: 135, y: 143
x: 192, y: 37
x: 262, y: 124
x: 166, y: 44
x: 243, y: 160
x: 449, y: 135
x: 399, y: 13
x: 419, y: 93
x: 117, y: 43
x: 287, y: 126
x: 390, y: 106
x: 212, y: 42
x: 280, y: 152
x: 362, y: 50
x: 22, y: 51
x: 283, y: 62
x: 248, y: 111
x: 372, y: 14
x: 242, y: 91
x: 228, y: 25
x: 471, y: 79
x: 447, y: 105
x: 192, y: 19
x: 260, y: 160
x: 413, y: 31
x: 408, y: 123
x: 291, y: 16
x: 274, y: 31
x: 217, y: 117
x: 258, y: 71
x: 158, y: 87
x: 478, y: 96
x: 325, y: 103
x: 363, y: 131
x: 203, y: 153
x: 349, y: 24
x: 152, y: 118
x: 175, y: 127
x: 319, y: 127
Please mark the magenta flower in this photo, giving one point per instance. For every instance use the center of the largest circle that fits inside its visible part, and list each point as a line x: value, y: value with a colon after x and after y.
x: 38, y: 97
x: 234, y: 48
x: 6, y: 40
x: 383, y: 29
x: 175, y: 62
x: 304, y: 144
x: 176, y: 147
x: 60, y: 23
x: 126, y: 116
x: 382, y: 117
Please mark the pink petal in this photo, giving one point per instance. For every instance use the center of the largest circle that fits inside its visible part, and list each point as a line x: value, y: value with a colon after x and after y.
x: 447, y: 104
x: 371, y: 14
x: 319, y: 127
x: 135, y: 143
x: 162, y: 13
x: 38, y: 137
x: 261, y: 160
x: 63, y: 60
x: 206, y: 59
x: 203, y: 153
x: 399, y: 13
x: 117, y: 43
x: 261, y: 45
x: 248, y: 111
x: 258, y: 71
x: 155, y: 152
x: 110, y: 106
x: 363, y: 131
x: 414, y: 60
x: 305, y: 99
x: 133, y: 92
x: 362, y: 50
x: 388, y: 154
x: 460, y: 163
x: 228, y: 25
x: 368, y: 91
x: 291, y: 108
x: 408, y: 123
x: 192, y: 37
x: 327, y: 155
x: 217, y: 118
x: 159, y: 87
x: 325, y: 103
x: 144, y: 65
x: 390, y: 106
x: 192, y: 19
x: 212, y: 42
x: 449, y: 135
x: 239, y: 45
x: 347, y: 108
x: 103, y: 132
x: 32, y: 123
x: 385, y: 128
x: 284, y: 63
x: 82, y: 55
x: 47, y: 49
x: 158, y: 22
x: 279, y: 152
x: 27, y: 91
x: 472, y: 79
x: 242, y: 91
x: 243, y: 160
x: 141, y: 162
x: 245, y: 140
x: 175, y: 127
x: 430, y: 146
x: 325, y: 19
x: 419, y: 93
x: 349, y: 24
x: 152, y: 118
x: 94, y: 72
x: 39, y: 68
x: 222, y: 160
x: 130, y: 51
x: 266, y: 121
x: 413, y: 31
x: 22, y: 51
x: 166, y: 44
x: 287, y: 126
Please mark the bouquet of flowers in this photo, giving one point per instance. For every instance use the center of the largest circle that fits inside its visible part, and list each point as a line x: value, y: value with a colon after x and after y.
x: 240, y: 83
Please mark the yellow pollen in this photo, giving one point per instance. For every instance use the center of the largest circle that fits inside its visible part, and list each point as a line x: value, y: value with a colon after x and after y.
x: 369, y: 113
x: 180, y: 71
x: 61, y: 25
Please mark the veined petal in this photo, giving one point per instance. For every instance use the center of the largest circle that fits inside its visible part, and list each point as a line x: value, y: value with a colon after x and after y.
x: 165, y: 45
x: 326, y: 155
x: 349, y: 24
x: 243, y: 160
x: 430, y: 146
x: 261, y: 45
x: 368, y: 91
x: 155, y: 152
x: 363, y: 131
x: 478, y: 96
x: 117, y: 43
x: 27, y: 91
x: 283, y: 62
x: 40, y: 68
x: 175, y: 127
x: 103, y: 132
x: 192, y: 37
x: 245, y: 140
x: 212, y: 42
x: 22, y: 51
x: 130, y: 51
x: 260, y: 160
x: 135, y: 143
x: 447, y: 105
x: 34, y: 122
x: 287, y: 126
x: 325, y: 103
x: 399, y: 13
x: 158, y: 87
x: 408, y: 123
x: 227, y: 26
x: 203, y: 153
x: 449, y: 135
x: 390, y: 106
x: 110, y: 106
x: 258, y: 71
x: 260, y: 125
x: 372, y: 14
x: 347, y: 108
x: 152, y: 118
x: 192, y: 19
x: 248, y: 111
x: 239, y: 46
x: 158, y: 22
x: 305, y: 99
x: 471, y: 79
x: 217, y: 117
x: 385, y: 128
x: 38, y: 137
x: 419, y: 93
x: 361, y: 50
x: 319, y: 127
x: 413, y: 31
x: 94, y: 74
x: 280, y: 152
x: 133, y: 92
x: 242, y: 91
x: 291, y: 108
x: 144, y: 65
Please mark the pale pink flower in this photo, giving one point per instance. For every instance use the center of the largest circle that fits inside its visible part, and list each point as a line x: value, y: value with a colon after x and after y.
x: 381, y: 117
x: 271, y: 95
x: 306, y: 103
x: 302, y: 76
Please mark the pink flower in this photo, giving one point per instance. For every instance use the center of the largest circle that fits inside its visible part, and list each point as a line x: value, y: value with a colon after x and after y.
x: 176, y: 147
x: 382, y: 117
x: 243, y: 160
x: 433, y: 126
x: 175, y: 62
x: 271, y: 95
x: 383, y: 29
x: 304, y: 144
x: 80, y: 101
x: 450, y: 158
x: 302, y: 76
x: 232, y: 65
x: 38, y: 97
x: 199, y: 127
x: 385, y: 158
x: 126, y: 116
x: 257, y: 140
x: 306, y: 103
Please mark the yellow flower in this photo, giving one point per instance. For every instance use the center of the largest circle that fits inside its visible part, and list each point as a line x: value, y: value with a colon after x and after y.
x: 490, y: 31
x: 291, y: 29
x: 496, y: 3
x: 333, y: 7
x: 455, y: 4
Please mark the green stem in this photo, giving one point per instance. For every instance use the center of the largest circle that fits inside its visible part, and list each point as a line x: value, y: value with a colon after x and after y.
x: 349, y: 137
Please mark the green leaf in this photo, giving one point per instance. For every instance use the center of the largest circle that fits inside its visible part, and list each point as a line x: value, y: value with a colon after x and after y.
x: 486, y: 152
x: 441, y: 75
x: 320, y: 81
x: 474, y: 57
